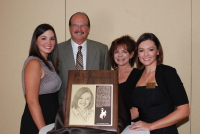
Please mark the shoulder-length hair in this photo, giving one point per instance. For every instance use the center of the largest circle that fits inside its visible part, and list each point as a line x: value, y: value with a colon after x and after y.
x: 78, y: 94
x: 34, y: 50
x: 128, y: 43
x: 152, y: 37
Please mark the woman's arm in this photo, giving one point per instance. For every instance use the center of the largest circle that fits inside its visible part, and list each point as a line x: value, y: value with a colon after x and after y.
x: 32, y: 75
x: 180, y: 113
x: 134, y: 113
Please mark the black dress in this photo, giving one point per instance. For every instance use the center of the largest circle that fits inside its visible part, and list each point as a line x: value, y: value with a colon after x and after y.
x: 126, y: 88
x: 48, y: 98
x: 49, y: 106
x: 152, y: 107
x: 156, y: 103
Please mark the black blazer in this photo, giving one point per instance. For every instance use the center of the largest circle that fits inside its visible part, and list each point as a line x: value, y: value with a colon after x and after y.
x: 170, y: 84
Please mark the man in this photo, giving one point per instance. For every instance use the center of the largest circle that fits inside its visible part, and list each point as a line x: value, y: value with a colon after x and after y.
x: 94, y: 54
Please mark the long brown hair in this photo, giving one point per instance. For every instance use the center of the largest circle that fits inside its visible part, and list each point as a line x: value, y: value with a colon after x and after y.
x: 34, y: 50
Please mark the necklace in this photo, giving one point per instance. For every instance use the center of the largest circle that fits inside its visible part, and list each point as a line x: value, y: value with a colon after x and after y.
x: 147, y: 78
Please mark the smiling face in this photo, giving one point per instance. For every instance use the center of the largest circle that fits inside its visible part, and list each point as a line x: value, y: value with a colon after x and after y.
x: 46, y: 43
x: 147, y: 53
x: 79, y: 28
x: 84, y: 100
x: 122, y: 56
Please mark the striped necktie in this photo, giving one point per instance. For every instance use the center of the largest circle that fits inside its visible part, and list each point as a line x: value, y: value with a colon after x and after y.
x: 79, y: 59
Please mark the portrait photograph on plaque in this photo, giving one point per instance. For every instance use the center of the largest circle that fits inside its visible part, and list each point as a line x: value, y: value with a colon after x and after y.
x: 92, y: 100
x: 91, y: 104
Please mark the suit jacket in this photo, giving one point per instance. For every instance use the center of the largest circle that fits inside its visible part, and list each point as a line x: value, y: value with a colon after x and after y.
x: 97, y: 59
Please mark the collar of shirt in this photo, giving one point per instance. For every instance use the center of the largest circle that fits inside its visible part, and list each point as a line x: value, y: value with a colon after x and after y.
x: 83, y: 50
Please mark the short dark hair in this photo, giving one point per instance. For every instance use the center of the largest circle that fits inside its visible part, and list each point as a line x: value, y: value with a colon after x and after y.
x: 34, y: 50
x: 127, y: 42
x: 78, y: 94
x: 82, y: 14
x: 152, y: 37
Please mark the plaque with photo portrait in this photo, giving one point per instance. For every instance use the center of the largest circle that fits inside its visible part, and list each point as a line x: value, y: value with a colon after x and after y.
x: 92, y: 98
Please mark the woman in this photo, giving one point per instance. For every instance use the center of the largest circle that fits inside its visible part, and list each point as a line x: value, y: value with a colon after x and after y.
x: 159, y: 99
x: 40, y: 81
x: 122, y: 58
x: 82, y: 104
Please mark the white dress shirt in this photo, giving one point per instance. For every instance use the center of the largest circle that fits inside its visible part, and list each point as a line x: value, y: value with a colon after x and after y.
x: 83, y: 50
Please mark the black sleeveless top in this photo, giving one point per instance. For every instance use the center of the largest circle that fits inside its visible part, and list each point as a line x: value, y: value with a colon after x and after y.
x: 152, y: 106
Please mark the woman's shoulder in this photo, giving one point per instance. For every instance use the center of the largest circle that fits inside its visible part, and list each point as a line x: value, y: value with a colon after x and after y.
x: 75, y: 111
x: 33, y: 58
x: 135, y: 70
x: 133, y: 76
x: 90, y: 111
x: 165, y: 68
x: 33, y: 63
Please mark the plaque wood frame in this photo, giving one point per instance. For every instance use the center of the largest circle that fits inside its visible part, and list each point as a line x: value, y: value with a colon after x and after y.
x: 93, y: 77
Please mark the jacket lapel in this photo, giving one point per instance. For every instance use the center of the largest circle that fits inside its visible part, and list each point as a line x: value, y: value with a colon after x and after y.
x: 159, y: 75
x: 69, y: 56
x: 91, y: 55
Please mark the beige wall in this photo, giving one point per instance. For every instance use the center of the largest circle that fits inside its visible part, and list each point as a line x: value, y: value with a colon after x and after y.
x: 18, y: 19
x: 195, y: 99
x: 176, y: 24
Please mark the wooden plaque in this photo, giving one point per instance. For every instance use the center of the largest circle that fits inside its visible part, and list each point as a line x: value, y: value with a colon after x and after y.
x: 92, y: 99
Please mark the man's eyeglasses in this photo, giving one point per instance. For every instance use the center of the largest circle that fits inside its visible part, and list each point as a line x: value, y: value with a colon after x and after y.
x: 81, y: 25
